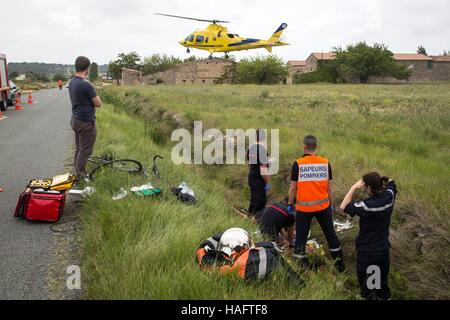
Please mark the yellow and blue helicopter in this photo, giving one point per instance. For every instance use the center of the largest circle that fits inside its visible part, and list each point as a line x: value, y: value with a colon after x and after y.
x: 216, y: 38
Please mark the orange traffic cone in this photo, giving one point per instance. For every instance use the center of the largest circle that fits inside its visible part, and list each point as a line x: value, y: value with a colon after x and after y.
x: 18, y: 106
x: 30, y: 98
x: 2, y: 117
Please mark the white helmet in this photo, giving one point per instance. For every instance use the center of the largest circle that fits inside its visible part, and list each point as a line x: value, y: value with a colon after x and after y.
x: 232, y: 239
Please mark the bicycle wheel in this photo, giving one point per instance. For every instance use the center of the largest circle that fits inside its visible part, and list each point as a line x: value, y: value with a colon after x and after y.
x: 123, y: 165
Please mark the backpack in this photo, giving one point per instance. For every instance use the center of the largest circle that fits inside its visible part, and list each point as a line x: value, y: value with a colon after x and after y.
x: 255, y: 263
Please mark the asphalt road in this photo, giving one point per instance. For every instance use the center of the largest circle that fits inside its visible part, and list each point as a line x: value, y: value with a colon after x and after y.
x: 34, y: 143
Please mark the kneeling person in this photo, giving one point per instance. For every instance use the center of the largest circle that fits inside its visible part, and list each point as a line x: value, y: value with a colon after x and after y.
x: 277, y: 223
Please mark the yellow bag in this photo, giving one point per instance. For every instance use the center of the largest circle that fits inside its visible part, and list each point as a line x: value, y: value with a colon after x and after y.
x: 63, y: 182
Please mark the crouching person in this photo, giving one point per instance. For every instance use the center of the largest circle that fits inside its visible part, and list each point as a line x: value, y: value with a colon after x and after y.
x: 277, y: 224
x: 372, y: 243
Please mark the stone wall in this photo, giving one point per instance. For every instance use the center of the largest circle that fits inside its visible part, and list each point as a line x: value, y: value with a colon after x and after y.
x: 311, y: 64
x: 441, y: 71
x: 423, y: 71
x: 294, y: 70
x: 206, y: 71
x: 131, y: 77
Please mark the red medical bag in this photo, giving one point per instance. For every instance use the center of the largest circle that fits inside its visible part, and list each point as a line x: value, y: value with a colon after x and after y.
x: 46, y: 206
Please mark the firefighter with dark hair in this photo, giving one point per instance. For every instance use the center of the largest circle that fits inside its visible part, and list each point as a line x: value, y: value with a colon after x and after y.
x: 372, y: 243
x: 311, y: 196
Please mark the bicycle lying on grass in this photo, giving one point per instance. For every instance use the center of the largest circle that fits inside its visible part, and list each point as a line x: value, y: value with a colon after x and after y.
x: 110, y: 163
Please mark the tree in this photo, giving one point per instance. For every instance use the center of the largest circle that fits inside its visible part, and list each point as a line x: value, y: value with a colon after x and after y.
x: 326, y: 72
x: 59, y: 76
x: 362, y: 61
x: 158, y: 63
x: 93, y: 73
x: 14, y: 74
x: 228, y: 75
x: 422, y: 50
x: 130, y: 60
x: 190, y: 59
x: 261, y: 70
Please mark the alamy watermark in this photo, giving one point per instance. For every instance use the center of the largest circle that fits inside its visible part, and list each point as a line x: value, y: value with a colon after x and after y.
x: 215, y: 147
x: 373, y: 278
x: 74, y: 279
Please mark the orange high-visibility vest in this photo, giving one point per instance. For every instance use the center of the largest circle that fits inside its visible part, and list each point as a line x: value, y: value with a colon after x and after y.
x: 312, y: 185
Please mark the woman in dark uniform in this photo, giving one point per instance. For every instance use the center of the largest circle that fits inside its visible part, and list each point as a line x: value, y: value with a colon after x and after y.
x: 372, y: 243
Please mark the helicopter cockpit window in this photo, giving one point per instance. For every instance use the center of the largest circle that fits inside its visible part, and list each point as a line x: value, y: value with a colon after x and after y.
x: 199, y: 38
x: 231, y: 36
x: 191, y: 38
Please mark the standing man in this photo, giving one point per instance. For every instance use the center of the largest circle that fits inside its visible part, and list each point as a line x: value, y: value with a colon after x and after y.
x: 258, y: 178
x: 311, y: 189
x: 84, y: 102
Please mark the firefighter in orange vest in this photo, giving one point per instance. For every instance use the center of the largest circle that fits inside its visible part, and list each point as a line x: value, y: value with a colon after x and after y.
x: 311, y: 196
x: 60, y: 84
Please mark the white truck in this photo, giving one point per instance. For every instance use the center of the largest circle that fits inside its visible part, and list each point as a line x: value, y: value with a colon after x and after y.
x: 8, y: 90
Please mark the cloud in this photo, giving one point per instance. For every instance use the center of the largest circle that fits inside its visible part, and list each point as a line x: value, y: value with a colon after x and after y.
x: 59, y: 30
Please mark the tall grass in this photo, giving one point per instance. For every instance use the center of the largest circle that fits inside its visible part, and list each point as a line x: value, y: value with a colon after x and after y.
x: 148, y: 245
x: 144, y: 248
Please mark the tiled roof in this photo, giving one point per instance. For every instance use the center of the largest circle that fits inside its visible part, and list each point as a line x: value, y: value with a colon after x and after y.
x: 297, y: 63
x: 411, y: 57
x: 323, y: 55
x: 441, y: 58
x: 326, y: 56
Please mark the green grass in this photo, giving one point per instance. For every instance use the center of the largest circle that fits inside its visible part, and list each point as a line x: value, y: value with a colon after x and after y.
x: 144, y: 248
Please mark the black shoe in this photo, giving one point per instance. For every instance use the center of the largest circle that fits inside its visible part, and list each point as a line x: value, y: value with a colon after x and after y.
x: 340, y: 266
x: 338, y: 258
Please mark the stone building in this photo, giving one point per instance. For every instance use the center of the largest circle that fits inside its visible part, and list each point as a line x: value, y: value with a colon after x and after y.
x: 295, y: 67
x: 424, y: 68
x: 131, y: 77
x: 315, y: 59
x: 206, y: 71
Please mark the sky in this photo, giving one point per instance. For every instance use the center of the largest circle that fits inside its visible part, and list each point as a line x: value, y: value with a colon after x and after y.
x: 57, y: 31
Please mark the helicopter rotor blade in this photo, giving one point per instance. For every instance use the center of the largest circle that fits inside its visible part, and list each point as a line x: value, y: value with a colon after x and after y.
x: 195, y: 19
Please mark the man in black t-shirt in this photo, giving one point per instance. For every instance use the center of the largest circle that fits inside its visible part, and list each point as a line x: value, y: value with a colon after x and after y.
x: 258, y: 178
x: 84, y: 101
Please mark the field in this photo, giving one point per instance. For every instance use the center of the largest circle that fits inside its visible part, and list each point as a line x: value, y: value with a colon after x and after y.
x: 145, y: 248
